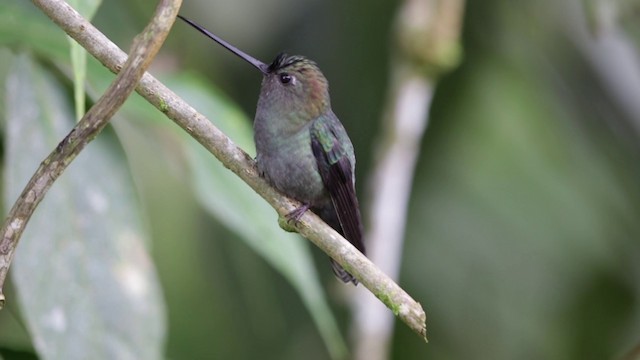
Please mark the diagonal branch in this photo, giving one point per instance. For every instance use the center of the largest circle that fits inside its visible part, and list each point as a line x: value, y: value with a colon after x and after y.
x: 234, y: 158
x: 144, y: 49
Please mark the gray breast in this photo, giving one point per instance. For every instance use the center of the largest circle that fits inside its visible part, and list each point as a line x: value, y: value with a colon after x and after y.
x: 289, y: 165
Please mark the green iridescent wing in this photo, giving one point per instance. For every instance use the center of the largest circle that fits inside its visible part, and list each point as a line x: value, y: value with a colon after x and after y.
x: 334, y: 153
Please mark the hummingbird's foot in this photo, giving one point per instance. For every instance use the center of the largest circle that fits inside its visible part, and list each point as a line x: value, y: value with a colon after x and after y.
x: 290, y: 221
x: 296, y: 214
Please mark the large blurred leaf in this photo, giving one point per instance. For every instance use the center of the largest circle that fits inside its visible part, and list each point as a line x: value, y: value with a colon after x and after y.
x: 87, y: 286
x: 227, y: 198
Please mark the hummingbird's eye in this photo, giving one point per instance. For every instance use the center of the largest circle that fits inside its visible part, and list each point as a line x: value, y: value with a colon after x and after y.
x: 285, y: 78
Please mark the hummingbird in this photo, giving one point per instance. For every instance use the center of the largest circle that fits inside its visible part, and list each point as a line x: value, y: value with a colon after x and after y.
x: 302, y: 148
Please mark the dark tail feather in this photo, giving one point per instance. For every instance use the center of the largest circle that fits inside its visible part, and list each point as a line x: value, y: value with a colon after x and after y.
x: 342, y: 274
x: 328, y: 214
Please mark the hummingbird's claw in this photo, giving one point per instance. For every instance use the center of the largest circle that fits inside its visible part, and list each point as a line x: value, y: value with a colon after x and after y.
x: 296, y: 214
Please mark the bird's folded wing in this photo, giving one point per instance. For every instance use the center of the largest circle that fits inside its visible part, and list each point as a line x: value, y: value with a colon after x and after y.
x: 336, y: 171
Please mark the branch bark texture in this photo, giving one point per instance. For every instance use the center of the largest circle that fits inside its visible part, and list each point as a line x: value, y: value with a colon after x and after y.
x: 144, y: 49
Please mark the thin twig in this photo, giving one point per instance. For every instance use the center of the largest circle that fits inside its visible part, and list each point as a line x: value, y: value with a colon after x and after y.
x: 145, y: 47
x: 234, y: 158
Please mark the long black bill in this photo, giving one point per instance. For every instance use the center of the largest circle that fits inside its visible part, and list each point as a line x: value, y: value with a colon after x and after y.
x: 264, y: 68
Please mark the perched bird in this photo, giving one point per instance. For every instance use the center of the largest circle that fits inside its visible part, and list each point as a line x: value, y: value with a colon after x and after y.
x: 302, y: 148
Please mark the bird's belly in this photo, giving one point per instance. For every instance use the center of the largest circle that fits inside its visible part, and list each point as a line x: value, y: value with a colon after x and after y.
x: 292, y: 169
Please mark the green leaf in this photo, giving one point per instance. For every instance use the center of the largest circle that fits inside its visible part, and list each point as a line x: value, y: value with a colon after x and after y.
x: 22, y: 24
x: 236, y: 205
x: 79, y: 64
x: 86, y: 8
x: 86, y: 284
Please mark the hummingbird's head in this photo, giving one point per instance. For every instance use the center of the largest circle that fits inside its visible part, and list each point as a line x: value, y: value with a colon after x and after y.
x: 293, y: 87
x: 297, y: 85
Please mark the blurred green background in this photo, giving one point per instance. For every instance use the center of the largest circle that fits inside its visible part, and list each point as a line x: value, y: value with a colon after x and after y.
x: 523, y: 239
